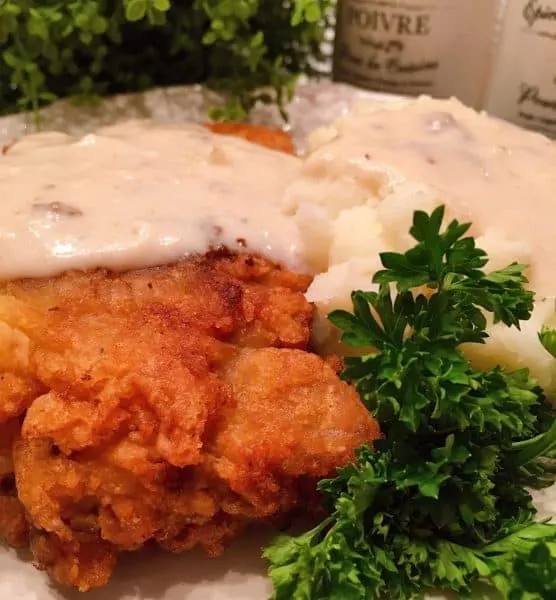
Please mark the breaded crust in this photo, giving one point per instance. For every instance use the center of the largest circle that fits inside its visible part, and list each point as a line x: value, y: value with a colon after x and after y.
x: 169, y: 405
x: 13, y: 522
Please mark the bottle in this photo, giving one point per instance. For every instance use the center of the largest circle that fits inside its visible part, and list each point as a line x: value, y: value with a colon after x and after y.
x: 523, y: 84
x: 442, y: 48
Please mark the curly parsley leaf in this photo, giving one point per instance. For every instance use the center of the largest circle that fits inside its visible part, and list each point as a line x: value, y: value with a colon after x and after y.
x: 440, y: 502
x: 547, y: 336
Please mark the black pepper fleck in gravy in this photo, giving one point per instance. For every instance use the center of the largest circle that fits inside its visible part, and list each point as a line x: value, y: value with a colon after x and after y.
x: 6, y: 148
x: 57, y: 209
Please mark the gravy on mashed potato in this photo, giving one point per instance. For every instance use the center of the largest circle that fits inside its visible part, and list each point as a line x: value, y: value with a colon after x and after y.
x: 139, y: 194
x: 366, y: 174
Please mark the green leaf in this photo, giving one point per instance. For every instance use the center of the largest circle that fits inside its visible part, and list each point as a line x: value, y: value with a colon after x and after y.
x: 10, y: 58
x: 99, y: 25
x: 156, y: 17
x: 162, y: 5
x: 306, y: 10
x: 11, y: 8
x: 82, y: 20
x: 209, y: 38
x: 36, y: 26
x: 547, y: 337
x: 86, y: 37
x: 313, y: 13
x: 135, y: 10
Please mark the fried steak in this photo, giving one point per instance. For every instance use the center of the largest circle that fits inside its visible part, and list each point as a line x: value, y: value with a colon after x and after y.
x: 171, y: 406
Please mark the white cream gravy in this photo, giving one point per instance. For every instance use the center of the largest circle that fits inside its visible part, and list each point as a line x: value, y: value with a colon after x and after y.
x: 138, y: 194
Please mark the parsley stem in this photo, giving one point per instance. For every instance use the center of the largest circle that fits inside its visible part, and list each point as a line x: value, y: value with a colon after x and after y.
x: 540, y: 445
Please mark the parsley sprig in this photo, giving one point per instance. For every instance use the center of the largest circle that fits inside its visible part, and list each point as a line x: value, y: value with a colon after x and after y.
x: 441, y: 501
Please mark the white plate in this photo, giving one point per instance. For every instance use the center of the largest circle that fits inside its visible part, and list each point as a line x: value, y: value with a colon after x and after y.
x: 240, y: 573
x: 314, y: 104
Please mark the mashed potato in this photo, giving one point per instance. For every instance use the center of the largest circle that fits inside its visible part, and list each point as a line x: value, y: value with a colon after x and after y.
x: 364, y: 176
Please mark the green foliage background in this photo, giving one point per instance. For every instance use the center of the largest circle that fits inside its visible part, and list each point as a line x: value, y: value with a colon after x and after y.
x: 59, y: 48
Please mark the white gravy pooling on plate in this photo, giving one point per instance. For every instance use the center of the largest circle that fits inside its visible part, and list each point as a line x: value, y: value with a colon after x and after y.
x: 138, y: 194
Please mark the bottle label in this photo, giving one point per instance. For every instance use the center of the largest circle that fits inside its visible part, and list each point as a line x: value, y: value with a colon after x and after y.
x: 523, y: 88
x: 415, y: 46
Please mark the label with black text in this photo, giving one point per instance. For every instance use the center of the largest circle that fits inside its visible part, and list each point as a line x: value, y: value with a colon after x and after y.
x: 414, y: 47
x: 523, y: 87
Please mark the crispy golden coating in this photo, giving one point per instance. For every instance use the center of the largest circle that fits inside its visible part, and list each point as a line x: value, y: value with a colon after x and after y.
x: 13, y: 523
x: 170, y: 406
